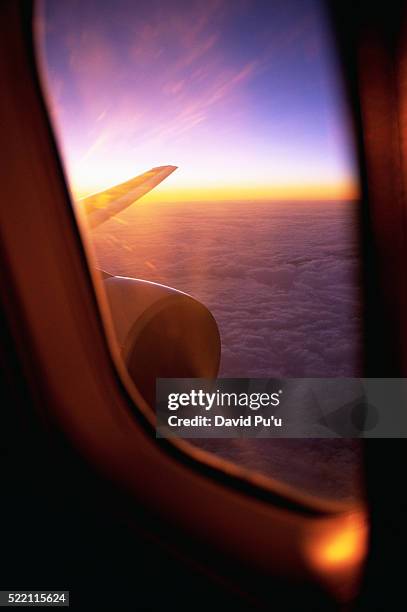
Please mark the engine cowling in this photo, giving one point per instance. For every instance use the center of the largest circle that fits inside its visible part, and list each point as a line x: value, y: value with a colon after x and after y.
x: 162, y: 333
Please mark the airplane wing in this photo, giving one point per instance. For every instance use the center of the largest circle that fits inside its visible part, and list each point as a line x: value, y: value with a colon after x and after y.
x: 99, y: 207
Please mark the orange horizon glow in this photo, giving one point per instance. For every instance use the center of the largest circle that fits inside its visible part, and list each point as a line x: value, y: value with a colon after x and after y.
x: 268, y: 192
x: 346, y: 190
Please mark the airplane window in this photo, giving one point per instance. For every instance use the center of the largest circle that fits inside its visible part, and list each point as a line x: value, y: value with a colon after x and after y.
x: 208, y: 148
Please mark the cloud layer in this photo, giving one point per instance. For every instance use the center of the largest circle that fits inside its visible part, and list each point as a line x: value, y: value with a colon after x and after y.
x: 280, y: 279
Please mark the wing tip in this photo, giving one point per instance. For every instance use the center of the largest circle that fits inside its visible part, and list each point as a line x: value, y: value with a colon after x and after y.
x: 167, y: 167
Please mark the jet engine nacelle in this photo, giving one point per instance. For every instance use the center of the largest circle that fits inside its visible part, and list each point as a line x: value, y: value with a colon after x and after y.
x: 162, y: 333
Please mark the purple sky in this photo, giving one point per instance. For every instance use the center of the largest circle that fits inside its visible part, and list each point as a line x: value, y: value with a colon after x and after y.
x: 244, y: 96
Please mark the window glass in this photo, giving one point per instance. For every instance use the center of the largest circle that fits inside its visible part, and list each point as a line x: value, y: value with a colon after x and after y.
x: 259, y: 219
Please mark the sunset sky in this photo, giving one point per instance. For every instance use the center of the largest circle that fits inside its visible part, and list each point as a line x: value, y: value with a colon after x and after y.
x: 244, y: 97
